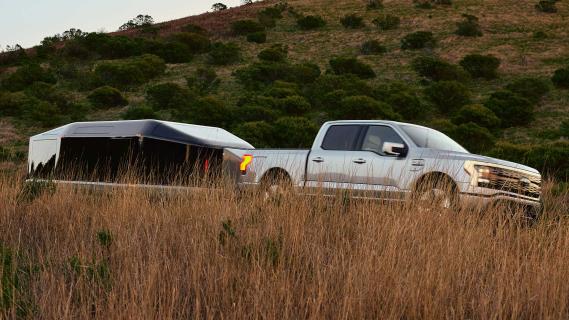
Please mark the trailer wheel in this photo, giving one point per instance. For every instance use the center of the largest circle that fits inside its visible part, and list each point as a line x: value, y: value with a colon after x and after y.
x: 275, y: 185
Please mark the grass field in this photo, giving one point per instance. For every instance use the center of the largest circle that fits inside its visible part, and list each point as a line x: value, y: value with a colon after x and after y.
x: 139, y: 255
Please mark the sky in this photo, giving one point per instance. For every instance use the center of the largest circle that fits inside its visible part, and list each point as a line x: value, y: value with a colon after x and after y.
x: 27, y: 22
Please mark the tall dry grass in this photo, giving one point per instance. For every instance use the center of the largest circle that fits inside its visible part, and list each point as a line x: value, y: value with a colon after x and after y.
x: 139, y: 254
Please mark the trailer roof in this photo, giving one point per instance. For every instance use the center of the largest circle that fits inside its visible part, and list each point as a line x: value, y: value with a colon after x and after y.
x: 157, y: 129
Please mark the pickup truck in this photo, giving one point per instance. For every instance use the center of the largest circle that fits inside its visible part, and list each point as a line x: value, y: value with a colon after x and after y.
x: 388, y: 160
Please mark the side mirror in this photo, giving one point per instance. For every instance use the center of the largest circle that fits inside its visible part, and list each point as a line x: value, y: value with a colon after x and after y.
x: 394, y: 149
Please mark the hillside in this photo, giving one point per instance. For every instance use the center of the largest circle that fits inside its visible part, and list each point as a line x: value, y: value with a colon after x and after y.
x: 246, y: 99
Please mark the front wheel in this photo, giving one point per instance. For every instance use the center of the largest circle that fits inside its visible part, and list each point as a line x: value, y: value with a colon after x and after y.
x: 437, y: 194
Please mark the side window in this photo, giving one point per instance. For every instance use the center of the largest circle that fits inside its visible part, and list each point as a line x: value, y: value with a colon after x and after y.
x: 376, y: 136
x: 341, y: 138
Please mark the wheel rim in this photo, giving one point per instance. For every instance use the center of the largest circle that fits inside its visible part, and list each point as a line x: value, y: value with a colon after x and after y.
x: 438, y: 197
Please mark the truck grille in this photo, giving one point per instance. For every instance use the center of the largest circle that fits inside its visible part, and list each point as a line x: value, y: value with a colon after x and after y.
x: 515, y: 182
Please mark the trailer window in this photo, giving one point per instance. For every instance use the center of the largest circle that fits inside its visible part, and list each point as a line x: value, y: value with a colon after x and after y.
x: 343, y: 138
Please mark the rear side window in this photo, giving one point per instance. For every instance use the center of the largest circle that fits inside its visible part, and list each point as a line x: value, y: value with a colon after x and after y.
x: 341, y: 138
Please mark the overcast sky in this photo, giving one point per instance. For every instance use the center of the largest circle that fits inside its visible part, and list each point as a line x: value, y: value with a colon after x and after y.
x: 27, y: 22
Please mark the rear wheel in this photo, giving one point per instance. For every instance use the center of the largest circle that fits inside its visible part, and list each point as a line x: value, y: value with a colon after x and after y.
x: 275, y: 186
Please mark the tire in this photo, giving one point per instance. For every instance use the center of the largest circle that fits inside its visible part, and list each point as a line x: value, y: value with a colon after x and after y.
x: 275, y: 186
x: 439, y: 193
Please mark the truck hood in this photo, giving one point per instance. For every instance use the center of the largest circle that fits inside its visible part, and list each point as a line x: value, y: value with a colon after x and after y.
x: 474, y: 157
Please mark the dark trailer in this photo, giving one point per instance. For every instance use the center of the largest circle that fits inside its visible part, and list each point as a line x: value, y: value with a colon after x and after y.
x: 159, y: 152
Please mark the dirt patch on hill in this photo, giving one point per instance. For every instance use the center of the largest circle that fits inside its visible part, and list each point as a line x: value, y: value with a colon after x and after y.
x: 7, y: 132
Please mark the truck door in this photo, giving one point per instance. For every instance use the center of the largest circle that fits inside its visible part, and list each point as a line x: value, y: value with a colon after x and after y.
x: 374, y: 170
x: 330, y: 166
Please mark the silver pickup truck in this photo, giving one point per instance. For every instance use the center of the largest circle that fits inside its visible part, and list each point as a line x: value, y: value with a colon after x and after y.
x: 388, y: 160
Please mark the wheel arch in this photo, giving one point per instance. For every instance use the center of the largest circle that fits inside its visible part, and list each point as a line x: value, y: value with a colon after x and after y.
x: 433, y: 176
x: 275, y: 173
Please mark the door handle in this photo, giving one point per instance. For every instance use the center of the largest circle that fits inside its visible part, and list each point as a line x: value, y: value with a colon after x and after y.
x: 318, y: 160
x: 360, y: 161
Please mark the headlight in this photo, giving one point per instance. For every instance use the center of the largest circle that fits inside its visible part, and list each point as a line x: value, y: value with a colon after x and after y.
x: 484, y: 174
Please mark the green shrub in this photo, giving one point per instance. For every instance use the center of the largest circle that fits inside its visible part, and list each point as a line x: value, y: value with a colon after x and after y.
x: 253, y: 113
x: 547, y: 6
x: 343, y: 65
x: 170, y: 52
x: 540, y: 35
x: 407, y: 104
x: 561, y: 78
x: 469, y: 27
x: 130, y: 72
x: 223, y: 54
x: 11, y: 103
x: 210, y: 111
x: 532, y: 89
x: 113, y: 47
x: 26, y: 75
x: 374, y: 4
x: 192, y: 28
x: 310, y: 22
x: 512, y: 109
x: 258, y: 133
x: 276, y: 53
x: 418, y: 40
x: 295, y: 132
x: 139, y: 113
x: 481, y: 66
x: 387, y: 22
x: 305, y: 73
x: 294, y: 105
x: 257, y: 37
x: 438, y: 70
x: 477, y: 114
x: 349, y: 85
x: 564, y: 129
x: 275, y: 12
x: 363, y: 108
x: 372, y: 47
x: 204, y: 81
x: 352, y: 21
x: 169, y: 96
x: 474, y: 137
x: 244, y: 27
x: 423, y: 4
x: 448, y: 96
x: 264, y: 73
x: 197, y: 43
x: 443, y: 125
x: 107, y: 97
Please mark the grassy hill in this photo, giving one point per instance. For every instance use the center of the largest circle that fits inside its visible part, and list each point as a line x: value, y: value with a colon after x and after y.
x: 529, y: 43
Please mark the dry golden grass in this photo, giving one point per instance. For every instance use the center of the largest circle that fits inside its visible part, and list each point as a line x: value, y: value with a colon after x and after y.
x: 134, y: 254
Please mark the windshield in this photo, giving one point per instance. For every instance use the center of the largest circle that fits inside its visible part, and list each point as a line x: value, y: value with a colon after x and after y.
x: 429, y: 138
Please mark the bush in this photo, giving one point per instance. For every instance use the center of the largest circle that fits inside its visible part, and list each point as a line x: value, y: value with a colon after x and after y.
x: 258, y: 133
x: 276, y: 53
x: 305, y: 73
x: 107, y: 97
x: 477, y: 114
x: 512, y: 109
x: 223, y: 54
x: 192, y: 28
x: 252, y: 113
x: 294, y: 105
x: 344, y: 65
x: 532, y: 89
x: 26, y: 75
x: 473, y: 137
x: 418, y: 40
x: 469, y: 27
x: 139, y: 113
x: 197, y: 43
x: 113, y: 47
x: 408, y: 104
x: 204, y: 81
x: 387, y: 22
x: 130, y: 72
x: 244, y: 27
x: 363, y: 108
x: 448, y: 96
x: 171, y: 52
x: 11, y: 103
x: 168, y: 96
x: 257, y: 37
x: 547, y: 6
x: 295, y: 132
x: 352, y: 21
x: 348, y: 85
x: 210, y: 111
x: 372, y: 47
x: 561, y: 78
x: 374, y: 4
x: 438, y: 70
x: 481, y: 66
x: 310, y: 22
